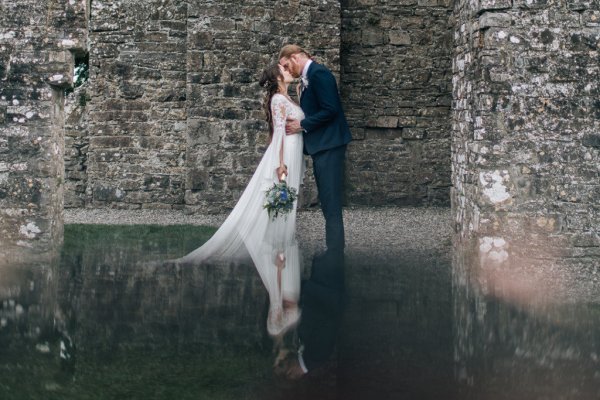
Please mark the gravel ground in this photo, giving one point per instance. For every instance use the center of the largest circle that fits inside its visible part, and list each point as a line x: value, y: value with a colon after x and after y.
x: 107, y: 216
x: 406, y: 228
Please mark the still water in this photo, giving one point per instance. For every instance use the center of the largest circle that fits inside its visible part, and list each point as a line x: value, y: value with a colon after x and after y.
x: 110, y: 320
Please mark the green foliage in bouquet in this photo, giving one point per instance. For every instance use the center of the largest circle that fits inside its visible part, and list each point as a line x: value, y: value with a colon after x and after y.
x: 280, y: 199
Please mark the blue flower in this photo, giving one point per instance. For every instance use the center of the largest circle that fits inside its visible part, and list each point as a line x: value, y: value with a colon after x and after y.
x: 279, y: 199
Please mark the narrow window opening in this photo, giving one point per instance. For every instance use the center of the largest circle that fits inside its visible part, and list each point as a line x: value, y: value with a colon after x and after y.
x: 82, y: 70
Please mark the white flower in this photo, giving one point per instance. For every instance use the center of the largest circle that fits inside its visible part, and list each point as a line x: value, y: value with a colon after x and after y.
x: 304, y: 81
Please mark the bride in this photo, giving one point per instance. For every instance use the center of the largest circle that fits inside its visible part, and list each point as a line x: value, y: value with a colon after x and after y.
x: 248, y: 230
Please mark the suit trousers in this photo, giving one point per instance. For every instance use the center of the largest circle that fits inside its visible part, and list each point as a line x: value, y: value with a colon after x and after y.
x: 329, y: 174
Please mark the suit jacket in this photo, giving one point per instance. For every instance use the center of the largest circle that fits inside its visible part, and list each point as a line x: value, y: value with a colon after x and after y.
x: 324, y: 123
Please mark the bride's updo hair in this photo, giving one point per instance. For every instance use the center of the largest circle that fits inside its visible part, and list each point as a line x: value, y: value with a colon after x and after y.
x: 269, y: 81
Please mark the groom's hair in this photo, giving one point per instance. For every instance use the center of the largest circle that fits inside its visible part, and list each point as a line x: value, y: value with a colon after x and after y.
x: 290, y: 49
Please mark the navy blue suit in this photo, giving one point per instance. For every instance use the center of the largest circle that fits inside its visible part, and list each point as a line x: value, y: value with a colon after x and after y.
x: 326, y: 135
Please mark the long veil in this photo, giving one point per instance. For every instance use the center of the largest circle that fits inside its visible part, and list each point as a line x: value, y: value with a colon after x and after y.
x: 246, y: 226
x: 249, y: 231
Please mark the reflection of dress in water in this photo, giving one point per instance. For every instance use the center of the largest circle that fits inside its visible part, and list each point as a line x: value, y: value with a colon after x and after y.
x: 248, y: 230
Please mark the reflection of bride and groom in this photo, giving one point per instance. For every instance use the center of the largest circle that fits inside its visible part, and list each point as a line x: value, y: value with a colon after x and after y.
x: 316, y: 127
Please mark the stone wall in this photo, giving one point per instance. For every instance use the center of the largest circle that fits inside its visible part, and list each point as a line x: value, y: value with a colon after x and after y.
x: 396, y: 85
x: 137, y: 112
x: 37, y: 41
x: 526, y: 118
x: 175, y: 112
x: 77, y: 144
x: 525, y: 160
x: 229, y: 44
x: 175, y: 120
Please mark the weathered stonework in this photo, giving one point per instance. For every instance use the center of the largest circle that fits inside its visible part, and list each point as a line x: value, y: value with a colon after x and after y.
x: 172, y: 113
x: 137, y: 114
x: 526, y: 120
x: 77, y: 143
x: 525, y: 170
x: 174, y: 118
x: 228, y: 46
x: 396, y: 86
x: 37, y: 42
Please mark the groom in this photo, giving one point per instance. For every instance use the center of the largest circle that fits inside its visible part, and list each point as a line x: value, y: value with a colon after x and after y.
x: 326, y: 135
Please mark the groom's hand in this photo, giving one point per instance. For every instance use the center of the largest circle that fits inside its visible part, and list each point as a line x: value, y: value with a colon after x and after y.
x: 292, y: 126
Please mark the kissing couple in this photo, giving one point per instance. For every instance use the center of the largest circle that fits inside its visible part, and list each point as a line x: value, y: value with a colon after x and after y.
x: 314, y: 126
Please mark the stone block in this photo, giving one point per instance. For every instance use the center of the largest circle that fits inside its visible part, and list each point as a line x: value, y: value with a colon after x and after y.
x: 494, y: 19
x: 382, y: 134
x: 131, y: 91
x: 579, y: 5
x: 201, y: 40
x: 107, y: 194
x: 591, y: 18
x: 100, y: 142
x: 72, y: 200
x: 383, y: 122
x: 372, y: 37
x: 413, y: 133
x: 173, y: 25
x: 494, y: 5
x: 534, y: 4
x: 399, y: 38
x: 156, y: 182
x: 586, y: 239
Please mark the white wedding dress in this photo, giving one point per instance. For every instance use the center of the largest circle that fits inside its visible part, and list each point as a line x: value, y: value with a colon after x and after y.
x: 249, y: 231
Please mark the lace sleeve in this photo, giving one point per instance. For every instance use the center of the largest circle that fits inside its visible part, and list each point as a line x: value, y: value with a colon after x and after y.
x: 279, y: 113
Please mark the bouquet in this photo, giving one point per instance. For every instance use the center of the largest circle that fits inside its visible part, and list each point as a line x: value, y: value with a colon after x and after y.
x: 280, y: 199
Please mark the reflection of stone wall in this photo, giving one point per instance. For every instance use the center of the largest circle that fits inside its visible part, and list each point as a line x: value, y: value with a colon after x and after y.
x: 28, y: 304
x: 513, y: 340
x: 397, y: 331
x: 525, y: 131
x: 115, y: 301
x: 35, y: 66
x: 396, y: 77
